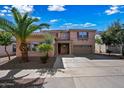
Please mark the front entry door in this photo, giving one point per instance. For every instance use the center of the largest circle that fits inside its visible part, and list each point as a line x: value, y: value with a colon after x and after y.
x: 63, y: 48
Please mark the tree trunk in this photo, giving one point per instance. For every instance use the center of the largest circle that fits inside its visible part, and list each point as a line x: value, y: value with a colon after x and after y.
x: 100, y: 48
x: 7, y: 53
x: 47, y: 55
x: 122, y: 49
x: 24, y: 51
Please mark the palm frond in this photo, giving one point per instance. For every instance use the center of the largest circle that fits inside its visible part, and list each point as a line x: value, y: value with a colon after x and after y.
x: 6, y: 25
x: 25, y: 16
x: 44, y: 25
x: 32, y: 28
x: 16, y: 14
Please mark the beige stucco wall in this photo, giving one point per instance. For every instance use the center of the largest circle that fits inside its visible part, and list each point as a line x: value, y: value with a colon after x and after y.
x: 114, y: 49
x: 35, y: 38
x: 99, y: 48
x: 32, y: 38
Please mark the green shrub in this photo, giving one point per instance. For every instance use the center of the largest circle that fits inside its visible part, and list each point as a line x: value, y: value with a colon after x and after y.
x: 45, y: 48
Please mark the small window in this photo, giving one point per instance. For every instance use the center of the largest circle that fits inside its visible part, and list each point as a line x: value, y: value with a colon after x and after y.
x: 14, y: 47
x: 64, y: 36
x: 82, y: 35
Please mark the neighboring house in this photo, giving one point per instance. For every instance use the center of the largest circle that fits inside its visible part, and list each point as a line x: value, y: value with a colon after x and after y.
x: 11, y: 50
x: 67, y: 42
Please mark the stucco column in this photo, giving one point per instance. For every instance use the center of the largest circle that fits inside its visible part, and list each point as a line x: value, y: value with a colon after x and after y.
x: 93, y: 46
x: 70, y: 48
x: 56, y: 48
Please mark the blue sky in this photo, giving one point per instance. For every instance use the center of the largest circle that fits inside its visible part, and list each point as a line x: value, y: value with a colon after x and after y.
x: 71, y: 16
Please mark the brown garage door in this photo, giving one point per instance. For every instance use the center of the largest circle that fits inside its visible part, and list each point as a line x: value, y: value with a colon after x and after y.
x: 82, y: 49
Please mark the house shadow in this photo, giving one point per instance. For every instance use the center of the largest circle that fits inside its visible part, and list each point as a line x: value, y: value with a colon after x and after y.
x: 9, y: 81
x: 15, y: 66
x: 22, y: 83
x: 101, y: 56
x: 49, y: 73
x: 34, y: 63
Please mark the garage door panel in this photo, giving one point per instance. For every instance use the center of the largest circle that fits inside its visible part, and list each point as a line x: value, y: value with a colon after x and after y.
x: 82, y: 49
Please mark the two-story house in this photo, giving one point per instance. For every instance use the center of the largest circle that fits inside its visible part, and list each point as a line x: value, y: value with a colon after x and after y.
x: 72, y: 41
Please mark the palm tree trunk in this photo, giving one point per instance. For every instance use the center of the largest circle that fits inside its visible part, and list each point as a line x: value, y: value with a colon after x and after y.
x: 7, y: 52
x: 24, y: 51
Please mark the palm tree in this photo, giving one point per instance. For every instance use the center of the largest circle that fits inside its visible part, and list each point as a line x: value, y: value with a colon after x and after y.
x: 21, y: 29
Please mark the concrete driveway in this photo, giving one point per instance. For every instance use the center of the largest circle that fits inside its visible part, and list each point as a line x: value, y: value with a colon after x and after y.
x: 79, y: 72
x: 97, y: 71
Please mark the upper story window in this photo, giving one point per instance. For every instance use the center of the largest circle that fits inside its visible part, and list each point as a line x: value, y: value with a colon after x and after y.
x: 64, y: 36
x: 82, y: 35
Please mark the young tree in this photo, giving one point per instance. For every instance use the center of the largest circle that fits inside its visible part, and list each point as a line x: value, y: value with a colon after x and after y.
x: 21, y: 29
x: 120, y: 38
x: 107, y: 38
x: 48, y: 39
x: 5, y: 40
x: 114, y: 35
x: 45, y: 48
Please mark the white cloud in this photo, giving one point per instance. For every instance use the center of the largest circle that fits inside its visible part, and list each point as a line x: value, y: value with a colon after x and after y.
x: 24, y: 8
x: 72, y: 25
x: 38, y: 18
x: 53, y: 20
x: 9, y: 14
x: 6, y: 11
x: 6, y: 7
x: 56, y: 8
x: 9, y: 11
x: 3, y: 11
x: 113, y: 10
x: 2, y: 14
x: 67, y: 24
x: 89, y: 24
